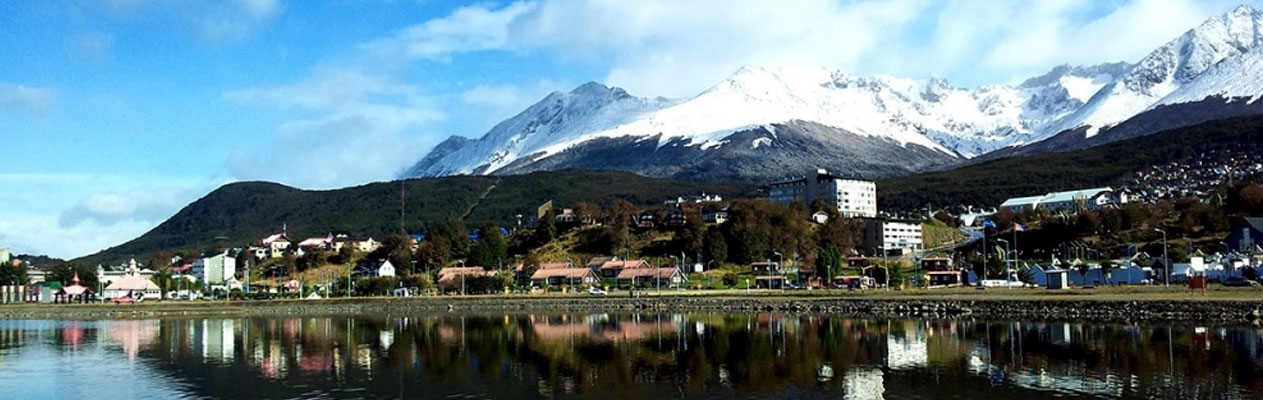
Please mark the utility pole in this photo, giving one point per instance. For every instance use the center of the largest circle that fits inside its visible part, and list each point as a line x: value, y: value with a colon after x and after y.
x: 1166, y: 260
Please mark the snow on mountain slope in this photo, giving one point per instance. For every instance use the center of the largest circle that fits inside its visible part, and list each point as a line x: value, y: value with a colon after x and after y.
x: 559, y: 117
x: 929, y: 113
x: 1234, y: 77
x: 1214, y: 58
x: 1166, y: 69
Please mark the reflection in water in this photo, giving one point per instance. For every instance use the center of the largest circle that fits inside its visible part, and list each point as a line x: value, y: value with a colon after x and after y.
x: 622, y: 356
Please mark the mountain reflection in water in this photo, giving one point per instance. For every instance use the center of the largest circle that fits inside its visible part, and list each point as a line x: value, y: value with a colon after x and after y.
x: 616, y: 356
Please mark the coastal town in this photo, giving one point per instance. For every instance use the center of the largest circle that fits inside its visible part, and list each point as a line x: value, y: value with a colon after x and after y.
x: 817, y: 232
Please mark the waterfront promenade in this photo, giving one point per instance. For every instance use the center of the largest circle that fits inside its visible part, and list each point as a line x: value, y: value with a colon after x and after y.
x: 1106, y: 304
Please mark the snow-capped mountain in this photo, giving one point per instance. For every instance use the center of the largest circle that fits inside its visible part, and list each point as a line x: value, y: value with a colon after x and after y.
x: 1169, y: 68
x: 761, y: 114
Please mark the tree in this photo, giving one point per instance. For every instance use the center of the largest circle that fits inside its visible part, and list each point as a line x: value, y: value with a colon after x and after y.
x: 65, y: 273
x: 1083, y: 269
x: 289, y: 263
x: 491, y: 248
x: 587, y: 212
x: 13, y: 274
x: 1107, y: 270
x: 690, y: 238
x: 457, y: 238
x: 715, y: 246
x: 398, y: 249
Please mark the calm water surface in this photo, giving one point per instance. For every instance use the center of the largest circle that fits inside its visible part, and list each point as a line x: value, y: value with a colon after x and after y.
x: 623, y: 356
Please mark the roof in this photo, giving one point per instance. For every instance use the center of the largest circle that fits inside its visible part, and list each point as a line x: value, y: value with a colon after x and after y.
x: 625, y: 264
x: 312, y: 242
x: 463, y: 271
x: 449, y: 274
x: 1057, y: 197
x: 1022, y: 201
x: 568, y: 273
x: 133, y: 283
x: 661, y: 272
x: 277, y: 237
x: 554, y: 265
x: 596, y: 262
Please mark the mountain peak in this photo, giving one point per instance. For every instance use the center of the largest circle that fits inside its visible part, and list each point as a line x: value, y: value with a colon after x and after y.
x: 1242, y: 10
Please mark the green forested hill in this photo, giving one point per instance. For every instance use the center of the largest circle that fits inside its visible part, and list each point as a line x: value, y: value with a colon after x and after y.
x: 990, y: 183
x: 240, y: 213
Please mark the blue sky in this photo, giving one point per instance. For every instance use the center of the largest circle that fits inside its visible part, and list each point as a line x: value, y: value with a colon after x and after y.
x: 116, y: 113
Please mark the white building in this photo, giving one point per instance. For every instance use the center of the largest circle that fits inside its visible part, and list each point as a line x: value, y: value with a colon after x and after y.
x: 132, y: 284
x: 215, y: 270
x: 852, y: 197
x: 1071, y: 201
x: 891, y: 235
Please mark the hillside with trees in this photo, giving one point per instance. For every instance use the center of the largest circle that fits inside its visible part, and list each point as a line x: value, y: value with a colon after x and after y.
x: 990, y: 183
x: 238, y: 214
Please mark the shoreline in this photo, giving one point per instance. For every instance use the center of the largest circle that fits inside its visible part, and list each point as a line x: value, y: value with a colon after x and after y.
x: 1237, y: 311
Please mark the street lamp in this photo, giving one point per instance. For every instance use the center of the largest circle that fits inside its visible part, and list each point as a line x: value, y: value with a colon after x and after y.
x: 779, y: 260
x: 1008, y: 269
x: 1166, y: 261
x: 708, y: 273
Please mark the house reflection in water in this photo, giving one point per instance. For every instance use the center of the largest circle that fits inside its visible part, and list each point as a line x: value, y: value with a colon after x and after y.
x: 664, y: 355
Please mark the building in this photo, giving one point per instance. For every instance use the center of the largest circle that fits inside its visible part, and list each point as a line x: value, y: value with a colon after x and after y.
x: 715, y: 216
x: 1067, y: 201
x: 662, y: 276
x: 4, y: 255
x: 891, y: 235
x: 944, y: 278
x: 454, y: 277
x: 359, y: 245
x: 1246, y: 235
x: 820, y: 217
x: 694, y: 199
x: 936, y: 264
x: 1020, y: 204
x: 612, y: 269
x: 274, y: 246
x: 562, y: 274
x: 374, y: 268
x: 215, y: 270
x: 852, y: 197
x: 134, y: 285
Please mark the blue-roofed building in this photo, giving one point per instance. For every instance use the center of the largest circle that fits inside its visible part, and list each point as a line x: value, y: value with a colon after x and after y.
x: 1076, y: 200
x: 1019, y: 204
x: 1068, y: 201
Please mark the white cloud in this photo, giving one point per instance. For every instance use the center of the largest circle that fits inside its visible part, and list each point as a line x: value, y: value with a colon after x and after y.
x: 356, y: 127
x: 499, y: 102
x: 111, y: 208
x: 466, y: 29
x: 679, y: 48
x: 1037, y: 37
x: 25, y: 98
x: 50, y: 213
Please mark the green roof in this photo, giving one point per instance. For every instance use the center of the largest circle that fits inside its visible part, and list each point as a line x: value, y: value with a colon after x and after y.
x: 49, y: 284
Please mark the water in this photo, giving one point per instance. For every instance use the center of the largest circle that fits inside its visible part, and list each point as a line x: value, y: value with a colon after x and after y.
x: 622, y: 356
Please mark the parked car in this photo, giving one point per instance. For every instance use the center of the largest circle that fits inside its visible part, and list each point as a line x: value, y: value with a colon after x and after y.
x: 596, y: 291
x: 124, y: 300
x: 262, y: 296
x: 1237, y: 281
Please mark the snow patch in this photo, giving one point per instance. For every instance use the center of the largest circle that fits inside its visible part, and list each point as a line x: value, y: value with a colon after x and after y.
x: 760, y: 142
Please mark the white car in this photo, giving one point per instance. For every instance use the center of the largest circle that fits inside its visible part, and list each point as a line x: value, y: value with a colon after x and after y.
x: 596, y: 291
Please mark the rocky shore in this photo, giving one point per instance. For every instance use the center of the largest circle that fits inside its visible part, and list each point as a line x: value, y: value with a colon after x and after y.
x: 1199, y: 310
